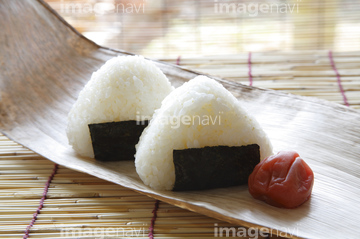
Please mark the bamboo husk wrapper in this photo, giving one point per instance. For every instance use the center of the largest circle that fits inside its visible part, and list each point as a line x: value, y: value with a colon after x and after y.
x: 47, y: 63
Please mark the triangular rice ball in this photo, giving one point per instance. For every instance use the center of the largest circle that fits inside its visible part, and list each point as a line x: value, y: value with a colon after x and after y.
x: 200, y: 113
x: 124, y: 88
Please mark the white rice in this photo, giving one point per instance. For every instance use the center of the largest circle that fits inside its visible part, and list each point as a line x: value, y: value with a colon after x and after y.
x: 124, y: 88
x: 208, y: 99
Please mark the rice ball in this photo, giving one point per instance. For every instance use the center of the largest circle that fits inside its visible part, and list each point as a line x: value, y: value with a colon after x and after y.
x: 124, y: 88
x: 199, y: 113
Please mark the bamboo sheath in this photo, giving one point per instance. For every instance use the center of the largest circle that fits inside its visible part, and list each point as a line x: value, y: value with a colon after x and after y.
x: 36, y: 116
x: 78, y: 200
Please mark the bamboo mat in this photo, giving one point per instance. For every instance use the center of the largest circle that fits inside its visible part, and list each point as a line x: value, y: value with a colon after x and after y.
x: 78, y: 205
x: 308, y: 73
x: 82, y: 206
x: 215, y: 27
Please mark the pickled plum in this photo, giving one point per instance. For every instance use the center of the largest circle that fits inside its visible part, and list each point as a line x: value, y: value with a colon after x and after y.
x: 282, y: 180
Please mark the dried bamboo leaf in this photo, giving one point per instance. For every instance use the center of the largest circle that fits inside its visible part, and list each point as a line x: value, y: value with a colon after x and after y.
x: 45, y: 63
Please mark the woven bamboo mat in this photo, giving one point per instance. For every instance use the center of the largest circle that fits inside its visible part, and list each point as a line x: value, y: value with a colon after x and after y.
x: 78, y: 205
x: 203, y: 27
x: 308, y: 73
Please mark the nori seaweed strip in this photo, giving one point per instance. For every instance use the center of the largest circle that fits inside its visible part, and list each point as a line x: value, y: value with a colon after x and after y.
x: 214, y: 167
x: 115, y: 141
